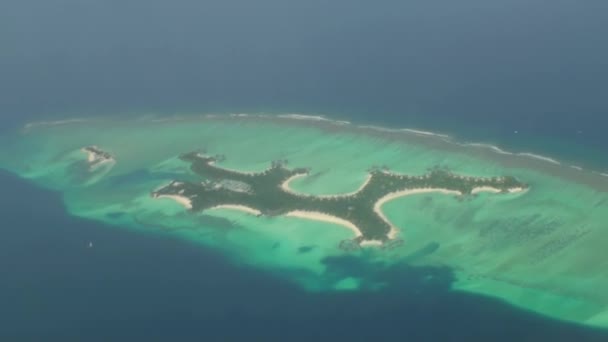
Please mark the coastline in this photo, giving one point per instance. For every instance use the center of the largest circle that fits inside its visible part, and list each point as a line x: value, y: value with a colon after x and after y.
x: 528, y: 207
x: 484, y: 189
x: 378, y: 209
x: 90, y: 155
x: 371, y: 243
x: 285, y: 186
x: 94, y: 160
x: 480, y: 189
x: 499, y: 186
x: 239, y: 208
x: 185, y: 201
x: 393, y: 195
x: 318, y: 216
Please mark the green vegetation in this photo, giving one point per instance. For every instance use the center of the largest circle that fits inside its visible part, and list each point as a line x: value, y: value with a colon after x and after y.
x: 263, y: 191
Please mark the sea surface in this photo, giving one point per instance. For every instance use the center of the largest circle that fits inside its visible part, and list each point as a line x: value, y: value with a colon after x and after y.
x: 515, y: 256
x: 526, y: 76
x: 480, y: 70
x: 132, y: 286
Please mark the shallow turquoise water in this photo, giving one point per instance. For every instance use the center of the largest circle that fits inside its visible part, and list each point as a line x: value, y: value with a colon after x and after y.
x: 538, y: 250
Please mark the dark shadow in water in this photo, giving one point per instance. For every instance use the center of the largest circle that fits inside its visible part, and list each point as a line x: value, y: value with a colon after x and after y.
x: 305, y: 249
x: 137, y: 287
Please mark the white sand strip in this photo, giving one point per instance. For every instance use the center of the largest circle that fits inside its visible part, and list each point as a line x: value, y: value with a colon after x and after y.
x: 314, y: 215
x: 495, y: 190
x: 371, y: 243
x: 286, y: 188
x: 393, y: 195
x: 90, y: 155
x: 95, y: 159
x: 185, y: 201
x: 485, y: 189
x: 238, y: 207
x: 285, y: 184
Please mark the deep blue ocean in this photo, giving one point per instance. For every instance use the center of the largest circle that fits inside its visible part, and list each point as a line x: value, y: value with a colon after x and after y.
x: 134, y: 287
x: 478, y: 70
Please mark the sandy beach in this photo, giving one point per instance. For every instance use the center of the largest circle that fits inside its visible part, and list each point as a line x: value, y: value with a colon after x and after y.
x: 485, y: 189
x: 90, y: 155
x: 238, y: 207
x: 494, y: 190
x: 313, y: 215
x: 95, y: 160
x: 285, y: 184
x: 371, y: 243
x: 286, y: 188
x: 185, y: 201
x: 378, y: 206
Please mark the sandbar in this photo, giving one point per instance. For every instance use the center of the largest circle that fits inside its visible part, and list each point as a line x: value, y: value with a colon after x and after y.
x: 238, y: 207
x: 494, y: 190
x: 391, y: 196
x: 314, y: 215
x: 185, y: 201
x: 371, y: 243
x: 286, y: 188
x: 95, y: 160
x: 90, y: 155
x: 485, y: 189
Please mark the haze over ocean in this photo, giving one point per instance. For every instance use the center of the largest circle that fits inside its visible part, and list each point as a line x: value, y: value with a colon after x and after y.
x: 476, y: 70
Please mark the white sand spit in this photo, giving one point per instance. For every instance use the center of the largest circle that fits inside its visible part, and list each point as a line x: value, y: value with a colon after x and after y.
x: 313, y: 215
x: 485, y: 189
x: 185, y: 201
x: 238, y: 207
x: 286, y: 188
x: 371, y: 243
x: 391, y: 196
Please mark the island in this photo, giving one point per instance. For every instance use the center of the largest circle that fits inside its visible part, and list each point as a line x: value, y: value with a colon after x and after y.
x: 97, y: 156
x: 539, y: 248
x: 268, y: 193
